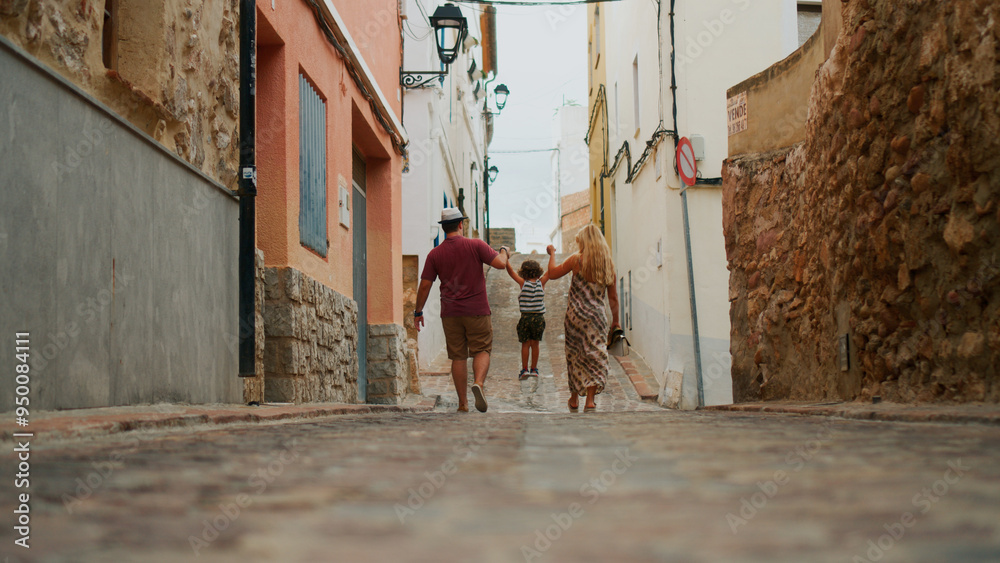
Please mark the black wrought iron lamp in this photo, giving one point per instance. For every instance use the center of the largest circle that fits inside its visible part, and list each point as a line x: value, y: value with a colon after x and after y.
x: 450, y: 27
x: 501, y: 92
x: 493, y: 171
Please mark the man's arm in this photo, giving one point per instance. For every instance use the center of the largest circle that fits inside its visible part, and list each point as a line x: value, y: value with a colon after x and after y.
x: 500, y: 262
x: 422, y: 292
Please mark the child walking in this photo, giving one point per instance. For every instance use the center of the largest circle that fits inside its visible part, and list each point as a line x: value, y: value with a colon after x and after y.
x: 531, y: 327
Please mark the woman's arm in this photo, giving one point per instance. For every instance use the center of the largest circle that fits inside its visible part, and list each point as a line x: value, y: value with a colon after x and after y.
x: 613, y: 301
x: 513, y: 275
x: 557, y: 271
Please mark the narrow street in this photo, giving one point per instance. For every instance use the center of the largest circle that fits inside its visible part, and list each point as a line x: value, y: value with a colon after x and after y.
x: 547, y: 393
x: 526, y: 481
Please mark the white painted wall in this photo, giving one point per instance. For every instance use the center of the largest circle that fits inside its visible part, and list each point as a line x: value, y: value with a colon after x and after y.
x: 446, y: 141
x: 718, y: 44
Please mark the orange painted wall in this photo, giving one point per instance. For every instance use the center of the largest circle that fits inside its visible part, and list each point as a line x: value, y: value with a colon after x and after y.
x: 374, y: 25
x: 289, y: 42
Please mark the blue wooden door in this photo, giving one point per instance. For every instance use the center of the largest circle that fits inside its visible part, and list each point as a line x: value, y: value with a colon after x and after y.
x: 360, y: 226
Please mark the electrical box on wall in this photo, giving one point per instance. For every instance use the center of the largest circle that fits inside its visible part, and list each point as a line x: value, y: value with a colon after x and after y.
x: 698, y: 144
x: 344, y: 204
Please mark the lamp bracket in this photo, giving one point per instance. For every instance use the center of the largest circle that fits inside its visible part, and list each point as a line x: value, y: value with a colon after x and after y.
x: 420, y: 79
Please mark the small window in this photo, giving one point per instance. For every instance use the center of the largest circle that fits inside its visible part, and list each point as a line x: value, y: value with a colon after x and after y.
x: 597, y: 34
x: 635, y: 91
x: 109, y: 35
x: 809, y: 15
x: 312, y: 168
x: 618, y: 113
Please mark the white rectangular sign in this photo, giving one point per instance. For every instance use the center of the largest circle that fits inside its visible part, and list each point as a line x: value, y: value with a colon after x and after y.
x: 737, y: 111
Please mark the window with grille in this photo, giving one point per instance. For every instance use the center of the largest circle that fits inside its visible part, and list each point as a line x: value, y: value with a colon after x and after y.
x: 312, y: 168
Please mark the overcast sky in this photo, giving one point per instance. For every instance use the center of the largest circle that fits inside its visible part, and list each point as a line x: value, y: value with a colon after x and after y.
x: 543, y: 60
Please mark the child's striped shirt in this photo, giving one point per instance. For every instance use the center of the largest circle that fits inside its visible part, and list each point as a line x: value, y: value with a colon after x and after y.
x: 532, y: 298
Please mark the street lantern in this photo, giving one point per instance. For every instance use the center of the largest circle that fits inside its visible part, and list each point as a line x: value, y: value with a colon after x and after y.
x: 493, y: 171
x: 502, y: 92
x: 450, y: 27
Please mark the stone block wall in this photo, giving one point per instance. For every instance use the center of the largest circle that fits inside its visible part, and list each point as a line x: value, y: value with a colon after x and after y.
x: 503, y: 237
x: 883, y: 224
x: 310, y: 351
x: 253, y: 387
x: 388, y: 364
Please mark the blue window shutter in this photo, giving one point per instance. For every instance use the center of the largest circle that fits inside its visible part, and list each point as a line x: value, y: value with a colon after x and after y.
x: 312, y: 168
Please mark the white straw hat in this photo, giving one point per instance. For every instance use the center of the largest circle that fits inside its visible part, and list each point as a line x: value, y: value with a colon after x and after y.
x: 451, y: 215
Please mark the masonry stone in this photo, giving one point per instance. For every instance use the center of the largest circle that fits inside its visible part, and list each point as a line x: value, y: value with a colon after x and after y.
x: 310, y: 355
x: 388, y: 371
x: 886, y: 211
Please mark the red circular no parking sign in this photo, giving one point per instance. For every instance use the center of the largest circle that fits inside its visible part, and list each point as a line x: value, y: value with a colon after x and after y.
x: 686, y: 166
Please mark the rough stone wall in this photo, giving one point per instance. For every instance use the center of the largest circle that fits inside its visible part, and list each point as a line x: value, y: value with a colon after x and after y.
x: 253, y: 387
x: 411, y: 282
x: 388, y: 365
x: 310, y: 351
x: 883, y: 224
x: 503, y: 237
x: 177, y: 69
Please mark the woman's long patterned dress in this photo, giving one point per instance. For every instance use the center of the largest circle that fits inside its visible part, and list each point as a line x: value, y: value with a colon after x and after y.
x: 586, y: 330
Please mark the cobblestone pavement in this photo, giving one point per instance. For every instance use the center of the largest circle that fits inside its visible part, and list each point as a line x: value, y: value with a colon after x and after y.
x: 526, y: 481
x: 641, y: 486
x: 550, y: 391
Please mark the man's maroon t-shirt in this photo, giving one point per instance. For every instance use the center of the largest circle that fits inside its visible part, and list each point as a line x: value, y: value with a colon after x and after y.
x: 458, y: 261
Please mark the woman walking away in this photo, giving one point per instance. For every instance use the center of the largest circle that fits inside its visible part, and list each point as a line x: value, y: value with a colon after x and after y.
x: 586, y: 322
x: 531, y: 327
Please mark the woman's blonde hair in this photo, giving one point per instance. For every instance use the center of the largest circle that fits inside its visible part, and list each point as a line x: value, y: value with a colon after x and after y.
x: 595, y: 256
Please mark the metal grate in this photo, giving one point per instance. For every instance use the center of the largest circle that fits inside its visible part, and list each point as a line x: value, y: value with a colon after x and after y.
x: 312, y: 168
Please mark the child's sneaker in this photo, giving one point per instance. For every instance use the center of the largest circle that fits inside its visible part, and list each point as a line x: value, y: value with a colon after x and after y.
x: 523, y: 375
x: 533, y: 372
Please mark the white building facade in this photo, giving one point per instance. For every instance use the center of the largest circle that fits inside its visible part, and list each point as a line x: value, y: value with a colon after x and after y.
x: 446, y: 152
x: 648, y: 103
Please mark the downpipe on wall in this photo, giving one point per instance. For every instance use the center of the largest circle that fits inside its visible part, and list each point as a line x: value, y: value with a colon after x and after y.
x: 695, y: 334
x: 247, y: 189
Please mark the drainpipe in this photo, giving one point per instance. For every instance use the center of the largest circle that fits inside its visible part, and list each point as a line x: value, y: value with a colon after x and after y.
x: 694, y: 302
x: 687, y: 227
x: 247, y: 187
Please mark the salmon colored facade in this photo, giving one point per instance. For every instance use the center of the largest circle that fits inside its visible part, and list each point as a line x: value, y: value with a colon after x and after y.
x: 359, y: 88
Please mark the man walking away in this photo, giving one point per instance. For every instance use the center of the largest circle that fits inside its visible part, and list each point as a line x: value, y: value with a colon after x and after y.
x: 465, y: 308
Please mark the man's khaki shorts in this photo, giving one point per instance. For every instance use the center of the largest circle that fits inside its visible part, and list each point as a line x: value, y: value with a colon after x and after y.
x: 467, y: 336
